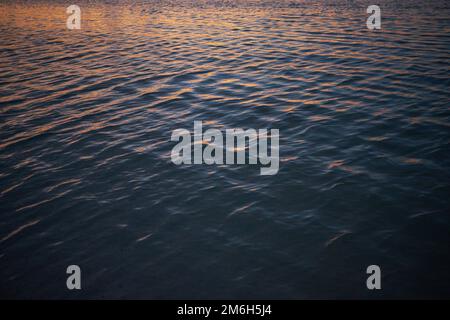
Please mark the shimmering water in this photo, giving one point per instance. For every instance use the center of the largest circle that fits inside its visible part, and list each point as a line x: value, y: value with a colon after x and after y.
x: 85, y: 171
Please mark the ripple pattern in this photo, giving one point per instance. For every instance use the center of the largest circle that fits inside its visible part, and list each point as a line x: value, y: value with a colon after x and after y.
x: 85, y: 173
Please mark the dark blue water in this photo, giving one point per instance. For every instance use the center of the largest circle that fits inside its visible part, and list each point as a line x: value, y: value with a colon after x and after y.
x: 86, y: 178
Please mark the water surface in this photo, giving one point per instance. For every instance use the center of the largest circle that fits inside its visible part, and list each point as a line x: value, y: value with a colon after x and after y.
x: 85, y: 171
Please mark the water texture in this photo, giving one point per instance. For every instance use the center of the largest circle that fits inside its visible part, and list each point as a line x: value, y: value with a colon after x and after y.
x: 86, y: 178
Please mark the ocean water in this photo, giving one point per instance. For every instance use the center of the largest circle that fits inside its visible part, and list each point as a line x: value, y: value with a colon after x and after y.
x: 86, y: 178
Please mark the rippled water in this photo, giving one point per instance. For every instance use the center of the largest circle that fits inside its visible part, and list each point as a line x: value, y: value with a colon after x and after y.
x: 86, y: 177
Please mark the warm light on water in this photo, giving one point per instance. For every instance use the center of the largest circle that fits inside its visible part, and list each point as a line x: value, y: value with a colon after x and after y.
x: 85, y: 171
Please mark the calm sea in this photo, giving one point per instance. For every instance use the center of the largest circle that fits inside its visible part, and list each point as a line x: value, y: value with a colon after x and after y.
x: 86, y: 178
